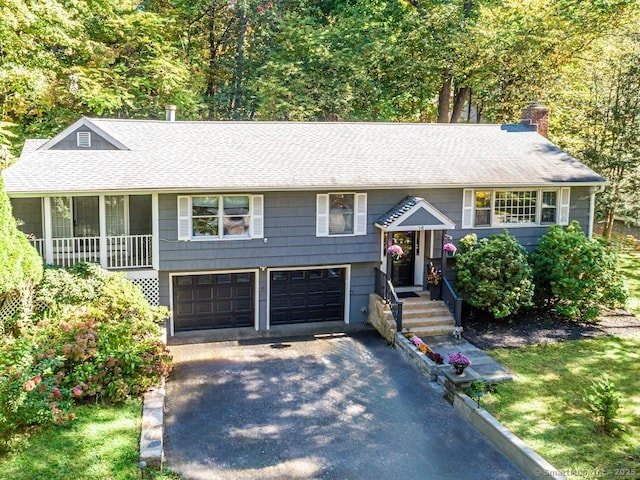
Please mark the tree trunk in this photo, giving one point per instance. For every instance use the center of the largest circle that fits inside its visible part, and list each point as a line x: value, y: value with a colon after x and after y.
x: 608, y: 223
x: 444, y: 98
x: 459, y: 100
x: 213, y: 51
x: 236, y: 99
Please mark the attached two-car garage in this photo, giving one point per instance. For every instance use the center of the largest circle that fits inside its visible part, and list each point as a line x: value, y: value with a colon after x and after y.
x: 224, y: 300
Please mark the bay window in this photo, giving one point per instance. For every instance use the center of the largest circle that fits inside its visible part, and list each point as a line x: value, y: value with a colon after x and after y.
x: 500, y: 208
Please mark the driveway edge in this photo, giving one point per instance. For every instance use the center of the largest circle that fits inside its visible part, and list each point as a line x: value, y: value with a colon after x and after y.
x: 151, y: 435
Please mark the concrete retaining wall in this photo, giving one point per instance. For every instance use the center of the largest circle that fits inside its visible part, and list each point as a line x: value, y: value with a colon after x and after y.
x: 506, y: 441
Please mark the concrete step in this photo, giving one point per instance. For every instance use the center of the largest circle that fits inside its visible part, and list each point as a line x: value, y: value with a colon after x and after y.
x: 428, y: 321
x: 425, y: 312
x: 434, y: 331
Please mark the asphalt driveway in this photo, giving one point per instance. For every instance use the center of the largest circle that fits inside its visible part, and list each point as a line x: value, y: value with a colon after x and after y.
x: 332, y: 407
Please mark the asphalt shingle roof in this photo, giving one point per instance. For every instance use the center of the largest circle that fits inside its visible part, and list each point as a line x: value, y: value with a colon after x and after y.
x: 261, y: 156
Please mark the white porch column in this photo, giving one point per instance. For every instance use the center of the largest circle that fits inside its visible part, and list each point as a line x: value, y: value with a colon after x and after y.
x: 102, y: 214
x: 155, y: 233
x: 48, y: 239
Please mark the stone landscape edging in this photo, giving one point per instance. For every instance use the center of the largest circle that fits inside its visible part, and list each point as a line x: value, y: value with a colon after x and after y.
x: 505, y: 440
x: 502, y: 438
x: 152, y: 429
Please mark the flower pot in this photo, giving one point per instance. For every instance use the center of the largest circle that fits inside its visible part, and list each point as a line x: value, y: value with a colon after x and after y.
x: 458, y: 370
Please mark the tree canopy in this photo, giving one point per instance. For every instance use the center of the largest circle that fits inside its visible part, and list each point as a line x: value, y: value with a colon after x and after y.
x: 350, y: 60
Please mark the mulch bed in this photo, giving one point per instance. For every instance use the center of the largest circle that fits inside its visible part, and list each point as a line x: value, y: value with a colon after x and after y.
x: 534, y: 329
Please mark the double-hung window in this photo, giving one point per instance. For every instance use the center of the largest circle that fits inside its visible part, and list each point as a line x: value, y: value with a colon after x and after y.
x: 217, y: 217
x: 500, y: 208
x: 341, y: 214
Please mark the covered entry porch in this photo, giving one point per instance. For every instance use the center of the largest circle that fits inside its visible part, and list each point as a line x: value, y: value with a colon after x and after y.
x: 420, y: 230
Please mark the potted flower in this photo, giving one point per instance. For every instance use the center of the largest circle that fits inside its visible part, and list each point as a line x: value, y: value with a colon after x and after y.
x: 434, y: 278
x: 450, y: 248
x: 459, y: 362
x: 395, y: 251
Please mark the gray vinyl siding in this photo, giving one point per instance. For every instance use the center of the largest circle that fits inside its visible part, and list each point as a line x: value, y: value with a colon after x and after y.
x: 28, y: 213
x: 70, y: 142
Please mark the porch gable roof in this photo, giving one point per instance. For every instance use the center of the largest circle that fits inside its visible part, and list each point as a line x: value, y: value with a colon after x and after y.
x: 414, y: 214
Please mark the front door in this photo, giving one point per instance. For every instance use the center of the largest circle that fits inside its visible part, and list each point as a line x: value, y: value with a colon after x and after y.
x: 403, y: 268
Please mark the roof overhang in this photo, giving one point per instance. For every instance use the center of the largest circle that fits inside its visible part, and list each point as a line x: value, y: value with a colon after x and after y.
x: 414, y: 214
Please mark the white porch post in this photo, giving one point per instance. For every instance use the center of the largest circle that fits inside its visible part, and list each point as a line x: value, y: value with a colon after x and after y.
x: 102, y: 214
x: 48, y: 239
x: 155, y: 232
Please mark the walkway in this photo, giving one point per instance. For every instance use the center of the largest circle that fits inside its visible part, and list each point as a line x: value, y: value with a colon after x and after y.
x: 335, y: 406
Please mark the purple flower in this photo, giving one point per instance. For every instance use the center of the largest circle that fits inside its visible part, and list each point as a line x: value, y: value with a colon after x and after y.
x: 416, y: 340
x: 449, y: 247
x: 458, y: 359
x: 395, y: 251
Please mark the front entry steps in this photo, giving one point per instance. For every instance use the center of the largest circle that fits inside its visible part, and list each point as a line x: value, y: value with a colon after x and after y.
x: 426, y: 317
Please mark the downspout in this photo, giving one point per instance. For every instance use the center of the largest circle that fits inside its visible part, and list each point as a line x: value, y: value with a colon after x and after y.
x: 592, y: 206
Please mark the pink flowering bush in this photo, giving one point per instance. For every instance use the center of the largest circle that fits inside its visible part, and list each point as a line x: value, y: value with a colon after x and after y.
x: 29, y: 391
x: 94, y: 337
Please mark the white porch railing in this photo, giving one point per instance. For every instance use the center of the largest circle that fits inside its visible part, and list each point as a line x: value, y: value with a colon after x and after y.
x: 129, y: 251
x: 123, y: 251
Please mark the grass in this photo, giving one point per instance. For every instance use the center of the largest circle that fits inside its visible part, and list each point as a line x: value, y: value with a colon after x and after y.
x: 102, y: 443
x: 630, y: 265
x: 544, y: 405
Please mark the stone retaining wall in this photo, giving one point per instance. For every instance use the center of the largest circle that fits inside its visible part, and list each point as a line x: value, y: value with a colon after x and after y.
x: 381, y: 318
x: 424, y: 364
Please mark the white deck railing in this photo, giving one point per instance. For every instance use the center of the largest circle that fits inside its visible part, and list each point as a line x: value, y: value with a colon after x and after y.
x: 123, y: 251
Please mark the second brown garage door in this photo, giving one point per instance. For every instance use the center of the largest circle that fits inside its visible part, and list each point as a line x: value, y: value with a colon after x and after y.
x: 299, y: 296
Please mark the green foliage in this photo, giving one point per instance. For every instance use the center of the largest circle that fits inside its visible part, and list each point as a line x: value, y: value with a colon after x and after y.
x: 20, y: 263
x: 576, y: 275
x: 468, y: 242
x: 495, y: 276
x: 603, y: 402
x: 29, y: 387
x: 93, y: 336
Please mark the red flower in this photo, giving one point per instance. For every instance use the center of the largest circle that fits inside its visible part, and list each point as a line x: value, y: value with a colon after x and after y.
x: 76, y: 391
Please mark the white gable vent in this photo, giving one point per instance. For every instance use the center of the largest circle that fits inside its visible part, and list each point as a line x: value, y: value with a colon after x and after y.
x: 84, y: 139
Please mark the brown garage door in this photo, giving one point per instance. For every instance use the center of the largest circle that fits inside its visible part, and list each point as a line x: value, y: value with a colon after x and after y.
x: 213, y: 301
x: 299, y: 296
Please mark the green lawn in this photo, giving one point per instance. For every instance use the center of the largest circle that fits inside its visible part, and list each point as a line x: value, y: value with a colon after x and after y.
x: 630, y: 265
x: 103, y: 443
x: 544, y: 405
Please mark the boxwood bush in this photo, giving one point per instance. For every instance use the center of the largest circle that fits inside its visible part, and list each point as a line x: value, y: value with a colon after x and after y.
x: 494, y: 274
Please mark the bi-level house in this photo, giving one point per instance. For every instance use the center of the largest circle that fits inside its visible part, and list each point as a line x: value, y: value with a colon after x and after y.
x: 255, y: 224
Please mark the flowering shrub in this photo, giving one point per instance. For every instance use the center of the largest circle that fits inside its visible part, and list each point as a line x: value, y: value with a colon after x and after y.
x: 395, y: 251
x: 29, y: 389
x: 459, y: 360
x: 93, y: 337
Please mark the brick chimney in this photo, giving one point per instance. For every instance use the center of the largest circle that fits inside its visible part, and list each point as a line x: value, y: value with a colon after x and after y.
x: 536, y: 117
x: 170, y: 113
